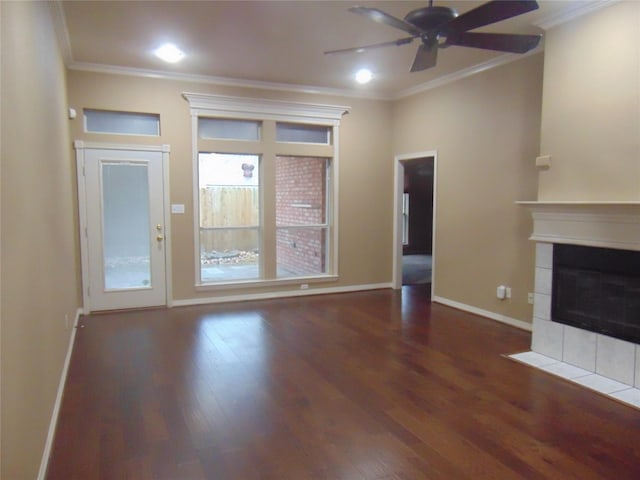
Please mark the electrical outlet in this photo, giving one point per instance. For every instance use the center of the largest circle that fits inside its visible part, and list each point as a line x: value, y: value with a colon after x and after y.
x: 304, y: 286
x: 530, y: 298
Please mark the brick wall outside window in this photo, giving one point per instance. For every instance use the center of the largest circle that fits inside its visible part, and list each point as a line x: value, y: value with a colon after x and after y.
x: 300, y: 200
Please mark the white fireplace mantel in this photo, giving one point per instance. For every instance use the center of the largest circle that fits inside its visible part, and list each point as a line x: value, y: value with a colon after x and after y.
x: 603, y: 363
x: 595, y: 224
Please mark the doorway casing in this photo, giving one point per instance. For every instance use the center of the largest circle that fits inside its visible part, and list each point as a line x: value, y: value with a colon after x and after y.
x: 398, y: 181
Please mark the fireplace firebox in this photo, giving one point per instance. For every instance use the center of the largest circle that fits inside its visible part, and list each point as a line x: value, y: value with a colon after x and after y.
x: 597, y: 289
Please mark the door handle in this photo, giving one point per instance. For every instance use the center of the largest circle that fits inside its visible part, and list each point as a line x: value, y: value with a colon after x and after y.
x: 159, y: 227
x: 160, y: 238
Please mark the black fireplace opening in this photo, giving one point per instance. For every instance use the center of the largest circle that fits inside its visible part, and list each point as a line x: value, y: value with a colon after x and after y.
x: 597, y: 289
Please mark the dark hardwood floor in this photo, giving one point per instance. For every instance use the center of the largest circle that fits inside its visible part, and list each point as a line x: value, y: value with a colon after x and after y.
x: 371, y: 385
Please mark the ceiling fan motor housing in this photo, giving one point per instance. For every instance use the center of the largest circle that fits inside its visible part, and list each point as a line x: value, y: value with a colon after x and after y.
x: 431, y: 18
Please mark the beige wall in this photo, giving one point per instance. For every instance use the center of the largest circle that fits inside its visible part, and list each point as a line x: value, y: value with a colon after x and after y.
x: 591, y: 107
x: 39, y: 285
x: 365, y: 208
x: 485, y: 130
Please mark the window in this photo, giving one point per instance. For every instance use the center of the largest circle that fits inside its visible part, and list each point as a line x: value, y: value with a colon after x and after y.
x: 265, y: 199
x: 302, y: 133
x: 123, y: 123
x: 405, y: 219
x: 229, y: 216
x: 222, y: 128
x: 301, y: 216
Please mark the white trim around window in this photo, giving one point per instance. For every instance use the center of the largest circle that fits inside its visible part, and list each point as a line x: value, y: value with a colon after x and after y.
x: 244, y: 108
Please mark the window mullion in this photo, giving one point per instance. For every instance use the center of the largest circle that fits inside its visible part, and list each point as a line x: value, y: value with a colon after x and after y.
x: 269, y: 266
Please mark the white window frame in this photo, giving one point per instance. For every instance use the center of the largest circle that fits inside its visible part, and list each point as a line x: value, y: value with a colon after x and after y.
x: 244, y: 108
x: 405, y: 218
x: 327, y: 223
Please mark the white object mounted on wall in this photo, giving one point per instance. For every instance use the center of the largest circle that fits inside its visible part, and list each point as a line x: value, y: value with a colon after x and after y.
x: 177, y: 208
x: 543, y: 161
x: 501, y: 292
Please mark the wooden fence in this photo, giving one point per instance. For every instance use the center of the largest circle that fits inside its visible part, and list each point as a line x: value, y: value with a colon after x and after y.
x: 229, y: 206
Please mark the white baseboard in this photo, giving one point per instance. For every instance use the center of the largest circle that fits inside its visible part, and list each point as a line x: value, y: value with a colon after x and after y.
x: 282, y: 294
x: 44, y: 462
x: 484, y: 313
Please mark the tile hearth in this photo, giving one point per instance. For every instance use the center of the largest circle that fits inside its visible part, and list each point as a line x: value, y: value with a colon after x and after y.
x: 604, y: 385
x: 616, y: 359
x: 603, y: 363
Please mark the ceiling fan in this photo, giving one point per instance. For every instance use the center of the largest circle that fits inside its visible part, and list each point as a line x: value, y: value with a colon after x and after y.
x: 441, y: 27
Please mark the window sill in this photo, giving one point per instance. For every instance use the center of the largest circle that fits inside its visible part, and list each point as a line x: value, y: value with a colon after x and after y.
x: 201, y: 287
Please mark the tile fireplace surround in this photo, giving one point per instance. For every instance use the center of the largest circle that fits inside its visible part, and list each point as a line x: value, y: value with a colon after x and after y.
x: 597, y: 224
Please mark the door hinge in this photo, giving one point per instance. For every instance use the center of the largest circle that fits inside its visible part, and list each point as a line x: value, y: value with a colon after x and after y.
x: 86, y: 232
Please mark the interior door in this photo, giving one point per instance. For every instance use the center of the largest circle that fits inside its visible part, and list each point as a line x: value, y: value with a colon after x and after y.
x: 125, y: 229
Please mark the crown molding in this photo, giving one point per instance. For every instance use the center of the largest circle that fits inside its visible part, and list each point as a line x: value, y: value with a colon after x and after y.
x: 224, y: 81
x: 545, y: 23
x: 62, y: 32
x: 308, y: 89
x: 240, y: 107
x: 464, y: 73
x: 588, y: 6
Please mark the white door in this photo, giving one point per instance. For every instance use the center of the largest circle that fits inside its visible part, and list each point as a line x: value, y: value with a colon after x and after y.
x: 124, y: 221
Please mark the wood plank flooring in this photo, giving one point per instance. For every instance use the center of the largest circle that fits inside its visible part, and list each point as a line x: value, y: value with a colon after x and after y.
x: 370, y: 385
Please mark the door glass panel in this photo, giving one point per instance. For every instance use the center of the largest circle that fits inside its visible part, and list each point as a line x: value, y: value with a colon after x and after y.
x: 125, y: 208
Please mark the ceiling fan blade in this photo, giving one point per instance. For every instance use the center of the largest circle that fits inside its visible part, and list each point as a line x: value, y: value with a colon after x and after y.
x: 502, y: 42
x: 386, y: 19
x: 425, y: 57
x: 397, y: 43
x: 491, y: 12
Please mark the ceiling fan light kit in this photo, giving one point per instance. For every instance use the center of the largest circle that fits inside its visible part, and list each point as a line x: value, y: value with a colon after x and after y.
x: 441, y: 27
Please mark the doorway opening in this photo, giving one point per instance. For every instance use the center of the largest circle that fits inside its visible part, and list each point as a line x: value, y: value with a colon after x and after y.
x: 414, y: 233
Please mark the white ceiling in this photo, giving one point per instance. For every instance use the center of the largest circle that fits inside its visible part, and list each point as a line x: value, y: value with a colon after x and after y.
x: 277, y: 42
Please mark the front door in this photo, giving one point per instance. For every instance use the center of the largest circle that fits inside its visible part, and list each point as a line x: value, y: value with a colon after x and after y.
x: 124, y: 221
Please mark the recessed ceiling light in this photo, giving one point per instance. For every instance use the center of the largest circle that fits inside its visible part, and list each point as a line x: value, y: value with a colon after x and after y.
x: 169, y: 53
x: 363, y: 76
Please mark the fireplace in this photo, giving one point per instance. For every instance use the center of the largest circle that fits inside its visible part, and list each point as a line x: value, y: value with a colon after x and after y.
x: 586, y: 308
x: 597, y: 289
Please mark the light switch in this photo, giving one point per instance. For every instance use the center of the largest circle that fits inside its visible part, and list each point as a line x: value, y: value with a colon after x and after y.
x: 177, y: 208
